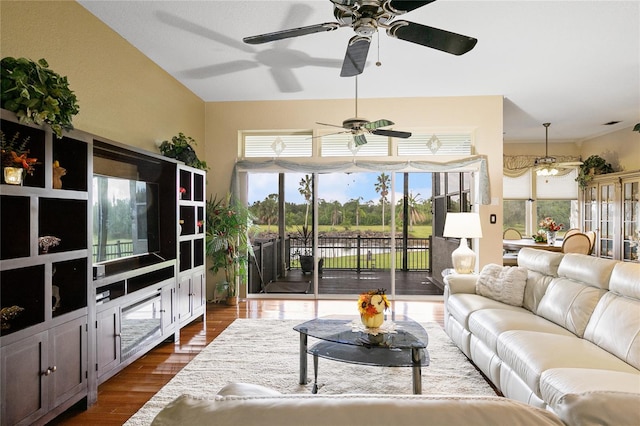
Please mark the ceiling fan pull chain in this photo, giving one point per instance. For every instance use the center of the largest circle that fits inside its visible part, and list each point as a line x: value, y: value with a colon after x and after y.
x: 378, y: 63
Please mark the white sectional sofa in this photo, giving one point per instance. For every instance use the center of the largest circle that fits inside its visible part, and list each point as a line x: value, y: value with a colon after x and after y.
x: 240, y: 404
x: 572, y: 343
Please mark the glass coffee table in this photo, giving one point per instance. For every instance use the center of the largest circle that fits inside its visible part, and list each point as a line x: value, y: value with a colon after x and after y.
x: 342, y: 338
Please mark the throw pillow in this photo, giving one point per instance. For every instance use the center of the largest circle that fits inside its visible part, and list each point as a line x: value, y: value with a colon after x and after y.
x: 502, y: 283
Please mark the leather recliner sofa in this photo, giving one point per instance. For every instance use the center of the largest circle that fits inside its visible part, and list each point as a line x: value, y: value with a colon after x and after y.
x: 572, y: 347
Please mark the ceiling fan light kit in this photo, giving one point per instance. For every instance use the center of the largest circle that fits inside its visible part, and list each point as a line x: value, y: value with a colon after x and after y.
x: 365, y: 17
x: 547, y: 165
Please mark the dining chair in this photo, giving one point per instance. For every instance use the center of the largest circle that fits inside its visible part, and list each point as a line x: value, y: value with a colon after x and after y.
x: 510, y: 257
x: 576, y: 243
x: 571, y: 232
x: 511, y: 234
x: 592, y: 238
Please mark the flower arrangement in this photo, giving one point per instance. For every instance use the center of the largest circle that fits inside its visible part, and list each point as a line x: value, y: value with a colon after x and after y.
x: 15, y: 154
x: 550, y: 225
x: 373, y: 302
x: 182, y: 190
x: 540, y: 237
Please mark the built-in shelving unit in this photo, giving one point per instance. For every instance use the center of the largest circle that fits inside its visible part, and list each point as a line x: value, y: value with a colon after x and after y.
x: 191, y: 243
x: 99, y: 298
x: 43, y: 348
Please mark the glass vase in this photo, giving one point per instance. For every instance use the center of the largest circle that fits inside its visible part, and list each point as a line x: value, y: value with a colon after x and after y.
x: 551, y: 237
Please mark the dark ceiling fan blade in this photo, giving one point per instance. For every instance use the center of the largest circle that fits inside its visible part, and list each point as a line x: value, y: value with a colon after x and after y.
x: 359, y: 140
x: 446, y: 41
x: 403, y: 6
x: 356, y: 56
x: 392, y: 133
x: 383, y: 122
x: 294, y: 32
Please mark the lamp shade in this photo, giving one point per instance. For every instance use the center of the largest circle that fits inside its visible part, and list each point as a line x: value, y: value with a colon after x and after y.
x: 462, y: 225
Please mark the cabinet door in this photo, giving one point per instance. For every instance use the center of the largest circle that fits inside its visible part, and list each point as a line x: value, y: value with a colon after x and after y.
x: 68, y: 349
x: 24, y: 380
x: 108, y: 342
x: 198, y: 291
x: 167, y: 309
x: 184, y: 298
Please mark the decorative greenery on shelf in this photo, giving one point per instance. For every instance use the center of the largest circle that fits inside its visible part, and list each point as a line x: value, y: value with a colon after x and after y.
x: 14, y: 153
x: 37, y: 94
x: 592, y: 166
x: 227, y: 241
x: 181, y: 149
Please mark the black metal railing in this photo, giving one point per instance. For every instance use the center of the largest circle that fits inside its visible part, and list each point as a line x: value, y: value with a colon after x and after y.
x: 114, y: 250
x: 337, y: 253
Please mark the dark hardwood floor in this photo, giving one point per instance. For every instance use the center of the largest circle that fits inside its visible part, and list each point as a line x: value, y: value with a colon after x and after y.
x: 122, y: 395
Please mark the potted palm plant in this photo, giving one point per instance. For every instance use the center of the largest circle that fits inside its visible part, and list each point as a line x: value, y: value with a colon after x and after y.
x: 228, y: 244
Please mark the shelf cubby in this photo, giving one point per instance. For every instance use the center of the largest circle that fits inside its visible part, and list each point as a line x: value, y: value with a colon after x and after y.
x: 14, y: 226
x: 22, y: 287
x: 35, y: 145
x: 71, y: 154
x: 64, y: 219
x: 70, y: 278
x: 198, y: 252
x: 185, y: 255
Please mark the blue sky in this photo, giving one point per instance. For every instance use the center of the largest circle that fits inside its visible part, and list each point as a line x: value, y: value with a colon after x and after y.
x: 340, y: 187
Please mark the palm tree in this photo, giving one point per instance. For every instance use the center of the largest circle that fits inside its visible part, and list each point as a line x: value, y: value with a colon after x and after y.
x: 415, y: 215
x: 382, y: 187
x: 306, y: 190
x: 336, y: 214
x: 268, y: 210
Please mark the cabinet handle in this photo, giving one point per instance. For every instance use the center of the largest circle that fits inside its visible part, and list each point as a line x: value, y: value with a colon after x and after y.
x: 162, y: 310
x: 118, y: 335
x: 53, y: 369
x: 46, y: 372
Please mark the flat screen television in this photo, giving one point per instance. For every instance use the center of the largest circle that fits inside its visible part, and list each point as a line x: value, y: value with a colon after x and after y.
x: 126, y: 219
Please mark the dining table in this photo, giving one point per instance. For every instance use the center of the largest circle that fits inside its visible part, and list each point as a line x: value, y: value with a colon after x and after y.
x: 515, y: 245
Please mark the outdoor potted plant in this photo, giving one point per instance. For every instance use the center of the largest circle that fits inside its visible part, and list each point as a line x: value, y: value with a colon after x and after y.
x: 305, y: 255
x: 592, y: 166
x: 180, y: 147
x: 228, y: 244
x: 37, y: 94
x: 15, y: 158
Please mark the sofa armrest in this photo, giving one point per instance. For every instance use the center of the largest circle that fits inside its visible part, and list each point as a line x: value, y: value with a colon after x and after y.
x: 461, y: 283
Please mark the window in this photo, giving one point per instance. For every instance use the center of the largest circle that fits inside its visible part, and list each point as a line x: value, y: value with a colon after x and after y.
x: 529, y: 198
x: 451, y: 193
x: 277, y: 145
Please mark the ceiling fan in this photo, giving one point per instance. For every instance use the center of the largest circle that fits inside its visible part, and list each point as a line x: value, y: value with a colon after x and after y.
x: 365, y: 17
x: 359, y: 127
x: 548, y: 166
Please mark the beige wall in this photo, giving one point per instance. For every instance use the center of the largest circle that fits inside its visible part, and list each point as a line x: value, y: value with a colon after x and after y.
x: 123, y: 95
x: 621, y: 148
x: 224, y: 121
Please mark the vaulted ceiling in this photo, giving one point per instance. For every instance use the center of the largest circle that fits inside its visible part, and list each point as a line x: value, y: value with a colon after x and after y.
x: 575, y: 64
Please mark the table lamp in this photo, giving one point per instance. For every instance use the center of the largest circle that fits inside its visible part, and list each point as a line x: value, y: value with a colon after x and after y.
x: 463, y: 226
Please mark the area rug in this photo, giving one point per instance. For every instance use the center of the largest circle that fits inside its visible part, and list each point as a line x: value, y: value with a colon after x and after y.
x: 266, y: 352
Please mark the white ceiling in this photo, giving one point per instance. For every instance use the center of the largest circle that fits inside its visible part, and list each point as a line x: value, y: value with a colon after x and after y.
x: 575, y: 64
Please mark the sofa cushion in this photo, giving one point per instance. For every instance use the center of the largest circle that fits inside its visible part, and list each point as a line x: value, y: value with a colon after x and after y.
x: 461, y: 305
x: 545, y: 262
x: 584, y: 396
x: 569, y: 304
x: 619, y: 310
x: 487, y: 325
x: 592, y: 271
x: 365, y: 410
x: 530, y: 353
x: 541, y: 266
x: 502, y: 283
